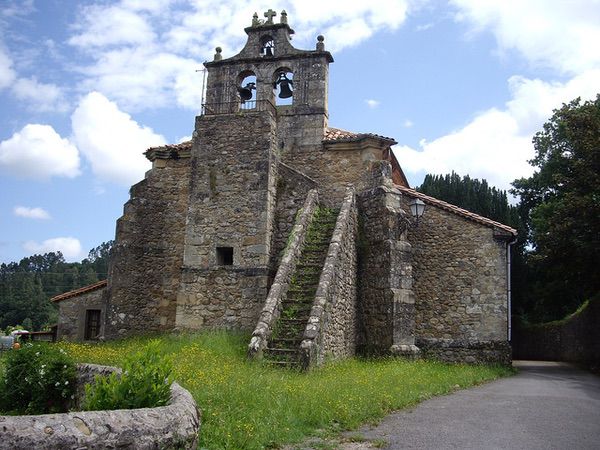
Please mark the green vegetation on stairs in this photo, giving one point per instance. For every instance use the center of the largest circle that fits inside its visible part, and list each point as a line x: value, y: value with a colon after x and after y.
x: 283, y: 347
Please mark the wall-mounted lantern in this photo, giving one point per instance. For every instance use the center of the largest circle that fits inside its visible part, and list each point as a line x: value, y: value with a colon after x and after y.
x: 417, y: 207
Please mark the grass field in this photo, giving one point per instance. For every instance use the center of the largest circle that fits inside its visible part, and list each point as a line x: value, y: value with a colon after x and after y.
x: 248, y: 405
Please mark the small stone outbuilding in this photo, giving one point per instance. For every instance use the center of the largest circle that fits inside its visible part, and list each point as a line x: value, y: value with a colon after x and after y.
x: 271, y: 221
x: 81, y: 313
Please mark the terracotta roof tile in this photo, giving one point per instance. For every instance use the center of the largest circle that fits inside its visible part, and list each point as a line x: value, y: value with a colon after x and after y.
x: 456, y: 210
x: 337, y: 134
x: 186, y: 145
x: 181, y: 150
x: 80, y: 291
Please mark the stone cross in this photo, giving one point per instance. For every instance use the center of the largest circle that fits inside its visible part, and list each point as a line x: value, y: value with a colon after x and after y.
x: 269, y: 15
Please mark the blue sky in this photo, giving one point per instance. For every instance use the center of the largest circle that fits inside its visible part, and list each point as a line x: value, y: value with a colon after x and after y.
x: 87, y: 86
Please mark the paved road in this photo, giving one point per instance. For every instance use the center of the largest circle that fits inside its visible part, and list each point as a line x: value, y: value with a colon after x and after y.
x: 547, y: 405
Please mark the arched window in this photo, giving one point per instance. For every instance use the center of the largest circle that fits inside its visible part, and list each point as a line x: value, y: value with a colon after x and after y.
x: 267, y: 46
x: 283, y: 86
x: 247, y: 90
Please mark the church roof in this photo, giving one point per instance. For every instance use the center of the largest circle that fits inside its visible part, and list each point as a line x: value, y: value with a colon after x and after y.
x: 180, y: 150
x: 80, y: 291
x: 339, y: 135
x: 456, y: 210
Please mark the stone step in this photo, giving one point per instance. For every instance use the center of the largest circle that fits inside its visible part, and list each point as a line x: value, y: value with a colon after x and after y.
x: 310, y: 264
x: 289, y: 364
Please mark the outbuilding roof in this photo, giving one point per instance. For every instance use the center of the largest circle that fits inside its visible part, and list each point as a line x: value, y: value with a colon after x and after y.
x: 80, y: 291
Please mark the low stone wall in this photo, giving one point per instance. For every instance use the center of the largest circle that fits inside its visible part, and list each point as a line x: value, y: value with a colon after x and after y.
x: 331, y: 328
x: 459, y: 351
x: 278, y: 291
x: 174, y: 426
x: 575, y: 339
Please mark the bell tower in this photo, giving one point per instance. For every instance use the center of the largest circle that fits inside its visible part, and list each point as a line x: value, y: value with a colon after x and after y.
x: 261, y: 105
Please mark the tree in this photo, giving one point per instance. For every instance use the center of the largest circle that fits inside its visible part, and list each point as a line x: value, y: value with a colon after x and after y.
x: 27, y: 286
x: 560, y: 207
x: 471, y: 194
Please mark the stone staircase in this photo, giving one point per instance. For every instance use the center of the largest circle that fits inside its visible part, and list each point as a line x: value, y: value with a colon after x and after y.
x: 284, y: 346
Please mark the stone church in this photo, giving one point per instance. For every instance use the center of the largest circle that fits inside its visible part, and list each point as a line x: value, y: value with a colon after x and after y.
x: 272, y: 222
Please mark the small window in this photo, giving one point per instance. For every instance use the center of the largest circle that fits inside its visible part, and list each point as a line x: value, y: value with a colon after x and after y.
x: 92, y: 324
x: 267, y: 47
x: 225, y: 256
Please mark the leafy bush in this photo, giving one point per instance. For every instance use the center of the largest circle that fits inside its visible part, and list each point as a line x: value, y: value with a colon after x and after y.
x: 144, y: 383
x: 37, y: 379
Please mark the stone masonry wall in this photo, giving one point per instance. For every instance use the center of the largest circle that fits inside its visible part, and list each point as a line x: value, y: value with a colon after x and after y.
x: 333, y: 170
x: 331, y: 329
x: 386, y: 301
x: 147, y: 256
x: 292, y: 189
x: 460, y: 285
x: 71, y: 314
x: 232, y: 205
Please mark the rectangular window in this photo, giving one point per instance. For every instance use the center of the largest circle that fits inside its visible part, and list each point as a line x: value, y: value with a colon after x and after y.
x: 92, y: 324
x: 225, y: 256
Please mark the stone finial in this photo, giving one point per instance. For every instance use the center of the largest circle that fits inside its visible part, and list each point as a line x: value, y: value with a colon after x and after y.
x: 283, y: 18
x: 320, y: 43
x: 255, y: 21
x: 218, y: 56
x: 269, y: 15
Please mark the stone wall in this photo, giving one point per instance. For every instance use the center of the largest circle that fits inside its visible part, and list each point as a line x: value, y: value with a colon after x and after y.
x: 334, y: 170
x: 574, y: 339
x: 460, y: 284
x: 292, y: 191
x: 386, y: 302
x: 174, y: 426
x: 271, y: 309
x: 331, y: 329
x: 232, y: 205
x: 147, y: 255
x: 457, y: 351
x: 72, y: 313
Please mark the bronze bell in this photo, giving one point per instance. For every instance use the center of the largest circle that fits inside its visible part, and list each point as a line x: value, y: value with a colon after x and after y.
x: 246, y: 91
x: 285, y: 86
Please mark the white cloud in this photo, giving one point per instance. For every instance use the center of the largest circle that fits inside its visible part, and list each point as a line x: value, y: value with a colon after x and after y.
x: 372, y: 103
x: 407, y: 123
x: 111, y: 140
x: 557, y: 34
x: 111, y: 25
x: 16, y: 8
x: 70, y: 247
x: 37, y: 151
x: 39, y: 96
x: 142, y: 65
x: 496, y: 144
x: 31, y: 213
x: 7, y: 74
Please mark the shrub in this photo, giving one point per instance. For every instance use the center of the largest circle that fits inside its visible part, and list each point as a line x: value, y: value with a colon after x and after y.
x: 37, y: 379
x: 144, y: 383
